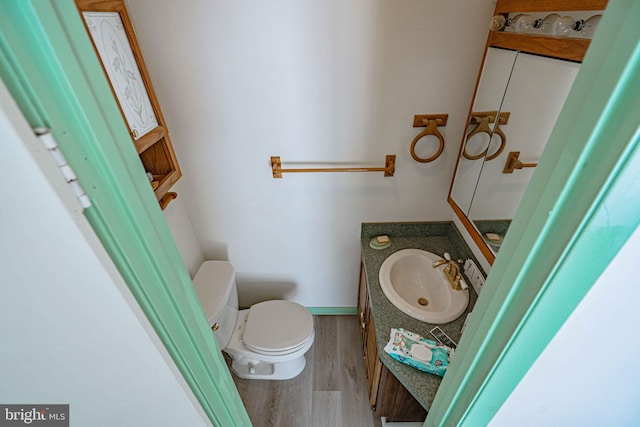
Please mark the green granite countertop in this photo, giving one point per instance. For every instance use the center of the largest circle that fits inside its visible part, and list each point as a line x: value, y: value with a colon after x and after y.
x: 435, y: 237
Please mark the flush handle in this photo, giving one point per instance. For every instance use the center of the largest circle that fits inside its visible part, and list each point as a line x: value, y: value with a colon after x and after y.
x: 215, y: 327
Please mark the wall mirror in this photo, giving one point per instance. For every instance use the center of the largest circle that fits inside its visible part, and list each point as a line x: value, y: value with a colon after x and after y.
x: 521, y: 88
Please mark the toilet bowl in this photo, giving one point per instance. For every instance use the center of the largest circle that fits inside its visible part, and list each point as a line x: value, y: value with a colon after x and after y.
x: 267, y: 340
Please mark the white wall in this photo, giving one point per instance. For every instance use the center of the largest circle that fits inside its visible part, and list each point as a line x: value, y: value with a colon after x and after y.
x: 589, y: 373
x: 308, y: 81
x: 71, y: 331
x: 183, y: 232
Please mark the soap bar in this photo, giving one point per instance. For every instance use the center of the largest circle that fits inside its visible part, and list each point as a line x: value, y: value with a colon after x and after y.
x: 493, y: 237
x: 380, y: 242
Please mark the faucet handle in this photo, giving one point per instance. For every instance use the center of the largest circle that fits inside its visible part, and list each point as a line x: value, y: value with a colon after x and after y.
x: 447, y: 256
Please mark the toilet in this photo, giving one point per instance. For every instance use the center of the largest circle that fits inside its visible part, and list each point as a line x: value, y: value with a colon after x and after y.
x: 266, y: 341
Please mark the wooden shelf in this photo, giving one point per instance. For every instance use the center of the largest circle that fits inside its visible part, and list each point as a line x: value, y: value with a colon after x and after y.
x: 555, y: 47
x: 512, y: 6
x: 154, y: 145
x: 147, y: 140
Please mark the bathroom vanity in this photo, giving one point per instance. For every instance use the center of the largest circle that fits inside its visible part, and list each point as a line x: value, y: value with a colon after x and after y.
x: 397, y: 391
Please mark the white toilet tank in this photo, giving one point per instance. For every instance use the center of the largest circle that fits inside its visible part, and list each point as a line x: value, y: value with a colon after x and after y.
x: 215, y: 284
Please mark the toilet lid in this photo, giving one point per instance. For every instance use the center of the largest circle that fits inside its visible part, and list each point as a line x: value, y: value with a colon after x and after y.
x: 275, y: 326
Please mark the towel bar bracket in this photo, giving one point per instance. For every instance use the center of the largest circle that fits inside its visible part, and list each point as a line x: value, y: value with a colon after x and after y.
x: 422, y: 120
x: 513, y: 163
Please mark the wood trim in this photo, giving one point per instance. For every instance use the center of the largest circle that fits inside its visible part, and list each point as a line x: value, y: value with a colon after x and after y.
x: 508, y: 6
x: 555, y: 47
x: 150, y: 138
x: 159, y: 133
x: 373, y: 365
x: 363, y: 300
x: 375, y: 382
x: 473, y: 232
x: 166, y: 183
x: 100, y: 5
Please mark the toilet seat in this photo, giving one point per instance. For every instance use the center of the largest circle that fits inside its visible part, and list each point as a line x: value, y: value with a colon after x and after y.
x: 277, y: 327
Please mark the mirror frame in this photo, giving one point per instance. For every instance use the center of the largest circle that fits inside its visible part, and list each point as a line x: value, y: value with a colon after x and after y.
x: 569, y: 49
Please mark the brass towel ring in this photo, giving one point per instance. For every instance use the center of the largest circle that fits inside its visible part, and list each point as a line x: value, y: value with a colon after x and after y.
x: 503, y: 142
x: 431, y: 129
x: 482, y: 127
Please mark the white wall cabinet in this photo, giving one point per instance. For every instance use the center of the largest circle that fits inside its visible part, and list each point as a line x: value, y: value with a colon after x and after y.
x: 534, y: 97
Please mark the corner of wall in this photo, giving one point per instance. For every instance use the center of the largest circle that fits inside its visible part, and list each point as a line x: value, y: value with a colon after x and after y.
x: 184, y: 234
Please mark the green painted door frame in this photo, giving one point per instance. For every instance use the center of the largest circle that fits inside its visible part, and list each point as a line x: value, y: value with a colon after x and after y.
x: 581, y: 206
x: 52, y: 71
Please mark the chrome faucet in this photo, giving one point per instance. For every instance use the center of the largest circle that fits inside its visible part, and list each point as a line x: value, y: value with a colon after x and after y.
x: 451, y: 272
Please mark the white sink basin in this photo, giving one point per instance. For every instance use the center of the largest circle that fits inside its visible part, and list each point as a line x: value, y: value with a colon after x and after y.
x: 410, y: 282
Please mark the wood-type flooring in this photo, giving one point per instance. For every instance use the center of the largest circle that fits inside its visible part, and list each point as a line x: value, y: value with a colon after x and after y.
x: 330, y: 392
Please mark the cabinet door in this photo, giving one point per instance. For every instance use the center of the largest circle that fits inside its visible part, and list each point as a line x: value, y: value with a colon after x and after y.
x: 114, y: 40
x: 387, y: 396
x: 112, y: 44
x: 373, y: 366
x: 362, y: 302
x: 494, y: 79
x: 372, y: 362
x: 534, y: 97
x: 396, y: 403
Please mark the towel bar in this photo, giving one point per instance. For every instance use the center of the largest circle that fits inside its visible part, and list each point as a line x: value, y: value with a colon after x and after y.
x: 388, y: 169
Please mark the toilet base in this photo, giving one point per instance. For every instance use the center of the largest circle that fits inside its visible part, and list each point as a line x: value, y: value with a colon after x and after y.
x: 257, y: 370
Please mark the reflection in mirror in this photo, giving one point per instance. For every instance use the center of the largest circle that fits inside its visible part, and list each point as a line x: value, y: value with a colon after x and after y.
x: 522, y: 86
x: 534, y: 96
x: 491, y: 88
